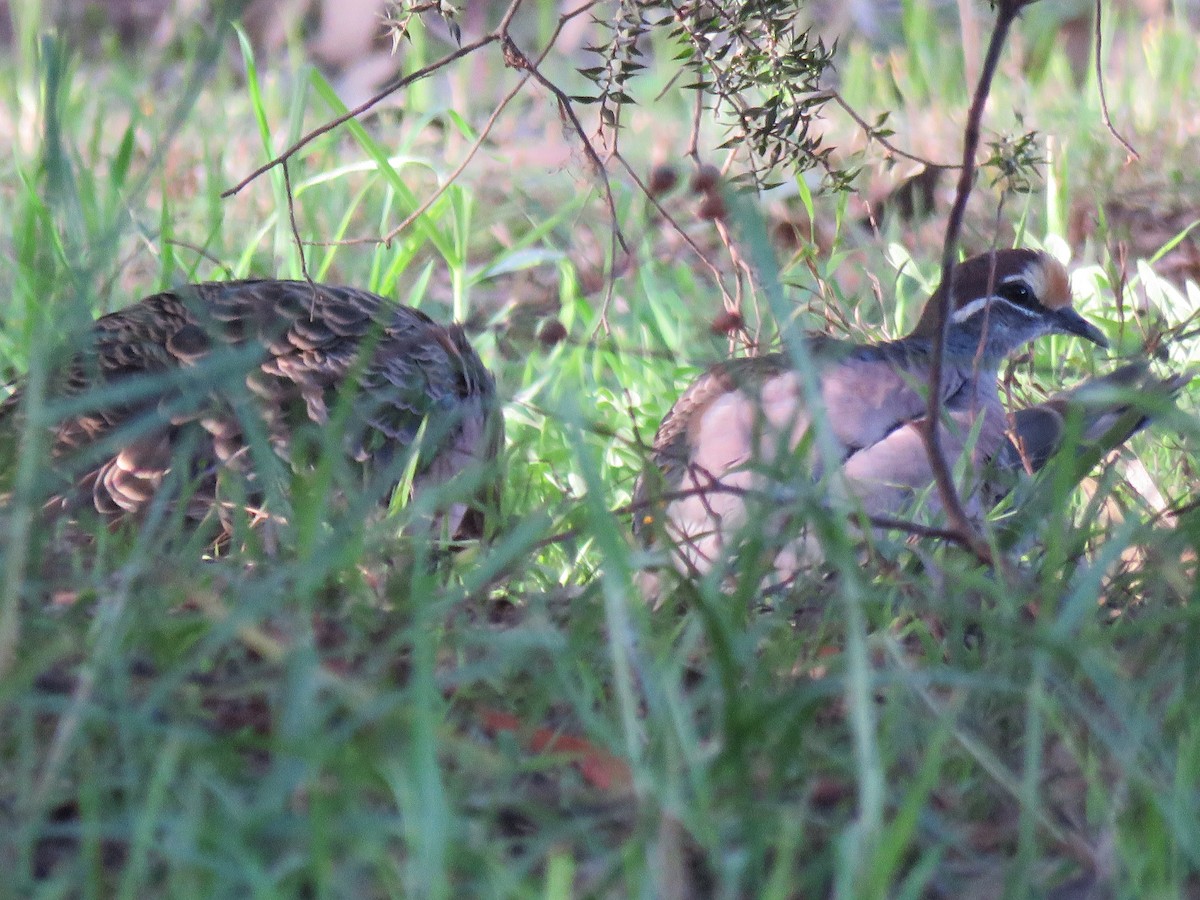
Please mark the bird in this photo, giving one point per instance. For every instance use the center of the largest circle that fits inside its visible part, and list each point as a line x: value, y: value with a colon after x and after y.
x: 722, y: 450
x: 183, y: 388
x: 1084, y: 422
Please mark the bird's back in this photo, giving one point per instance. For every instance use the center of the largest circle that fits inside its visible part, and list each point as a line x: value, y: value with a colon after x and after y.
x: 187, y: 380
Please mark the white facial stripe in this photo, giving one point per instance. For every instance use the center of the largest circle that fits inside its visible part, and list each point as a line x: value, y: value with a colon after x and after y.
x: 971, y: 309
x: 1035, y: 276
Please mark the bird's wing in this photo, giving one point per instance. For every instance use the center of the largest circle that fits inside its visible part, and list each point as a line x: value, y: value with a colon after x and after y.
x: 1083, y: 423
x: 885, y: 476
x: 731, y: 425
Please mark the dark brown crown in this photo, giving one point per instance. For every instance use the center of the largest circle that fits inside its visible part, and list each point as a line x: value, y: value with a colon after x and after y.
x: 1030, y: 278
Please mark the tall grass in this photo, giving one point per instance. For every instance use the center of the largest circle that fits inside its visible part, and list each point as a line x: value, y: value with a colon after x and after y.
x: 321, y: 719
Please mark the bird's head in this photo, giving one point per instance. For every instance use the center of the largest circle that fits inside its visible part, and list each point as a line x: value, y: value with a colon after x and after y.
x: 1003, y: 300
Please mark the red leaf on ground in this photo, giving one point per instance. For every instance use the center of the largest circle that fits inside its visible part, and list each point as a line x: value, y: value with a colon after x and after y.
x: 601, y: 769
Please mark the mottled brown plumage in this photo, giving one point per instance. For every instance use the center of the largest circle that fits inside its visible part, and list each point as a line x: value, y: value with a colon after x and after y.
x: 193, y: 383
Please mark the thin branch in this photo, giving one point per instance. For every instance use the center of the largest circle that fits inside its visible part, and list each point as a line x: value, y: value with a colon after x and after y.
x: 715, y: 486
x: 466, y: 160
x: 492, y: 37
x: 470, y: 155
x: 684, y: 236
x: 291, y: 204
x: 917, y: 529
x: 1006, y: 13
x: 615, y: 234
x: 872, y: 134
x: 489, y: 125
x: 518, y: 60
x: 693, y: 147
x: 514, y: 58
x: 449, y: 180
x: 1112, y: 129
x: 201, y: 252
x: 740, y: 264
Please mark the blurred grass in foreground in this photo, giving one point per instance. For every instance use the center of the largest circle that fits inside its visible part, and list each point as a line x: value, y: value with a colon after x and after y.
x: 329, y: 719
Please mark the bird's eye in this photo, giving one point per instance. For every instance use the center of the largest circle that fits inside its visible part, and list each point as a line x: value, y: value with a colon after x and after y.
x: 1017, y: 292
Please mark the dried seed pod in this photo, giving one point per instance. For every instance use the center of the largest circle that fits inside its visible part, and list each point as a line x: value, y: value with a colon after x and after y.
x: 551, y: 333
x: 705, y: 179
x: 727, y: 322
x: 663, y: 179
x: 712, y: 207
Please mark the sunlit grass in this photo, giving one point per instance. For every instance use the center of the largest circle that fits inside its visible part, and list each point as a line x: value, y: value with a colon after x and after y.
x: 321, y: 718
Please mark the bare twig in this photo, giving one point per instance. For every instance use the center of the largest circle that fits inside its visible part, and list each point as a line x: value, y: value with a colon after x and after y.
x: 1006, y: 13
x: 491, y: 37
x: 667, y: 217
x: 291, y: 203
x: 201, y: 252
x: 449, y: 180
x: 514, y: 58
x: 917, y: 529
x: 466, y: 160
x: 872, y: 135
x: 1112, y: 129
x: 474, y: 148
x: 518, y: 60
x: 715, y: 486
x: 693, y: 147
x: 740, y: 265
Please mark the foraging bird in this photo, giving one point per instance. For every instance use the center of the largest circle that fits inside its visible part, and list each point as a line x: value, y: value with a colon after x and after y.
x: 301, y: 355
x: 726, y: 436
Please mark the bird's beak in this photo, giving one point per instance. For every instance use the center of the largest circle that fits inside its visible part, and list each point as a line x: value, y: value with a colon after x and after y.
x: 1068, y: 321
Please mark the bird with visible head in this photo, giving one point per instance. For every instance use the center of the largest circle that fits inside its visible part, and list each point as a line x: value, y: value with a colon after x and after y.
x: 1002, y: 301
x: 729, y: 435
